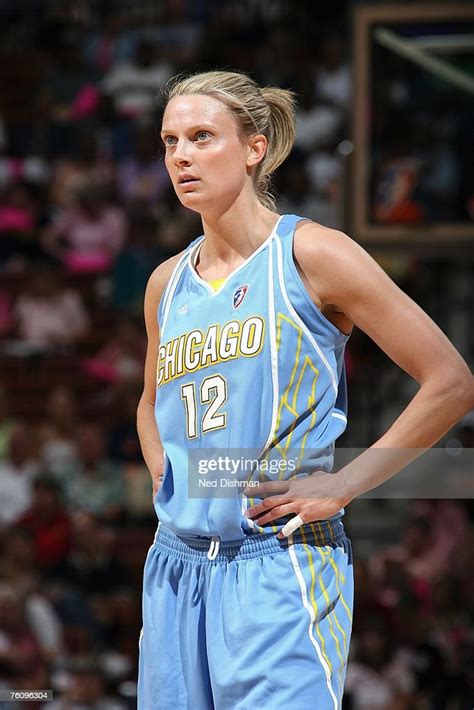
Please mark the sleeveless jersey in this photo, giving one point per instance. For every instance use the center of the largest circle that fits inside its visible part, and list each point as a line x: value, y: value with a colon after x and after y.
x: 254, y: 369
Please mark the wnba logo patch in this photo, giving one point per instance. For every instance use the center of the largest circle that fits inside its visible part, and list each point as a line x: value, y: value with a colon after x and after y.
x: 239, y: 295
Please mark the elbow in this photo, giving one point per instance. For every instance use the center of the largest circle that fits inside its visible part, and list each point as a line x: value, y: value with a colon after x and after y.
x: 145, y: 404
x: 460, y: 389
x: 139, y: 410
x: 451, y: 387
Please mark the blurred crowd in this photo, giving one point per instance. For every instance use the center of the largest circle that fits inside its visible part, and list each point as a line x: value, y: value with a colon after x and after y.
x: 86, y: 214
x: 412, y: 645
x: 72, y: 503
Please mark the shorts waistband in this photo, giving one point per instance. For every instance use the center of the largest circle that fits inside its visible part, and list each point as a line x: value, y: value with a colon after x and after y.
x: 256, y: 545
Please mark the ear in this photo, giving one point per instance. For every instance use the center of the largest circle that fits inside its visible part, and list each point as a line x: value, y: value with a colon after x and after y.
x: 256, y: 149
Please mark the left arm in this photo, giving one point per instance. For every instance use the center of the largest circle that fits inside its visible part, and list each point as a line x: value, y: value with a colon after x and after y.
x: 348, y: 280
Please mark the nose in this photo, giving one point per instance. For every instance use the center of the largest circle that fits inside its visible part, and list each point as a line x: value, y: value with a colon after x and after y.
x: 181, y: 153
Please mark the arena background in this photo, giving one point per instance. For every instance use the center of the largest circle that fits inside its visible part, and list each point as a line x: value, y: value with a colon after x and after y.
x: 384, y: 151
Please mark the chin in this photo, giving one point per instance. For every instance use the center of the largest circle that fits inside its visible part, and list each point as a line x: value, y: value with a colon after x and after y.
x: 194, y: 200
x: 202, y: 204
x: 191, y: 203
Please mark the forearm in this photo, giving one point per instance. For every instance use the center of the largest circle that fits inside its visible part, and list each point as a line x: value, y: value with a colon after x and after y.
x: 152, y: 448
x: 432, y: 412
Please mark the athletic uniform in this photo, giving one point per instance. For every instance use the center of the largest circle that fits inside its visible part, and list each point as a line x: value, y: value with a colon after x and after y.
x: 234, y: 618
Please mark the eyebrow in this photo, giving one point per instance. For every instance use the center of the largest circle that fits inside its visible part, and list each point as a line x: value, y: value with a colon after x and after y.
x: 199, y: 126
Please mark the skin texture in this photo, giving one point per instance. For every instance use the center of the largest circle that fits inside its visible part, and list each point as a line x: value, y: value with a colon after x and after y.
x: 201, y: 140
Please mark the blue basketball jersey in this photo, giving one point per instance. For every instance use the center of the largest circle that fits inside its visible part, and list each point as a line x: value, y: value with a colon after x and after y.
x: 254, y: 366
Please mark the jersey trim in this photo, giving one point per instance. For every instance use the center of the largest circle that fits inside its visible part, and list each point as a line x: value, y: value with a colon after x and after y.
x: 195, y: 251
x: 273, y: 361
x: 317, y: 311
x: 170, y: 289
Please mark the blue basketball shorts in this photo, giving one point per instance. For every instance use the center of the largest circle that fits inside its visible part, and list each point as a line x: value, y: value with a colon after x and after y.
x: 265, y: 624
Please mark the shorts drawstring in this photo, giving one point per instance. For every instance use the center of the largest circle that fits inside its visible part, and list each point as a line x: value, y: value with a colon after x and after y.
x: 213, y: 548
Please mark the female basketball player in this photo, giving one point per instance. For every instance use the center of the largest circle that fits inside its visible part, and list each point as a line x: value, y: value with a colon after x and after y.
x: 247, y: 601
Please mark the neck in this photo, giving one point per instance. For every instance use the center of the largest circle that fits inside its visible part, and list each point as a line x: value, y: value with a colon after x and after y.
x: 233, y: 235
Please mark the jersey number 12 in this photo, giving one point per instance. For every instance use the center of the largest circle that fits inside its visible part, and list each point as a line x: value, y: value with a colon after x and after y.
x: 213, y: 391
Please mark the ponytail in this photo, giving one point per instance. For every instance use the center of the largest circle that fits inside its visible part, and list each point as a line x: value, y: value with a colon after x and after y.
x: 281, y: 136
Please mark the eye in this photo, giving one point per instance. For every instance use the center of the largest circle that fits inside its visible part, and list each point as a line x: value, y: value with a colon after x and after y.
x: 169, y: 140
x: 202, y: 135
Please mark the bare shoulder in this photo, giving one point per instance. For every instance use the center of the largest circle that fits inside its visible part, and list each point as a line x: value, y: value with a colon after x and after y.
x: 315, y: 240
x: 331, y: 261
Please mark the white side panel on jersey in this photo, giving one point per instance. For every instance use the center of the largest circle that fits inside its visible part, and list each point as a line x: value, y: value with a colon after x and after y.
x: 297, y: 318
x: 171, y: 288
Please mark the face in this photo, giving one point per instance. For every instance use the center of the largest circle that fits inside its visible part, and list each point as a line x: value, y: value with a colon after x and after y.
x: 208, y: 163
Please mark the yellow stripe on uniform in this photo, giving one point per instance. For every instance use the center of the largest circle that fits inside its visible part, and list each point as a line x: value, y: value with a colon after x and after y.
x: 329, y: 618
x: 339, y: 576
x: 283, y: 398
x: 312, y: 597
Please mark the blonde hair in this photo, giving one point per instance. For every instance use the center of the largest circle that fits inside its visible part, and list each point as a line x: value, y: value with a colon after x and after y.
x: 266, y: 110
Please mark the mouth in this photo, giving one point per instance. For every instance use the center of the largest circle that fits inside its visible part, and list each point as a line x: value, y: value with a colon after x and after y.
x: 190, y: 180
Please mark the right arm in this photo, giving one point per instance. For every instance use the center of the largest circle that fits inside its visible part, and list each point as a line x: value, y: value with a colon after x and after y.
x: 152, y: 448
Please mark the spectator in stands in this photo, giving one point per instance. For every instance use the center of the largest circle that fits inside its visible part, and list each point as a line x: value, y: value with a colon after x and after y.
x: 17, y: 560
x: 49, y: 316
x: 19, y: 243
x: 86, y: 690
x: 108, y: 44
x: 6, y: 318
x: 378, y: 676
x: 91, y: 581
x: 19, y: 650
x: 333, y: 80
x: 90, y: 166
x: 174, y: 229
x: 124, y: 446
x: 17, y: 472
x: 326, y: 172
x: 69, y: 100
x: 96, y: 485
x: 31, y: 170
x: 447, y: 515
x: 132, y: 89
x: 295, y: 188
x: 368, y: 604
x: 142, y: 177
x: 120, y: 360
x: 88, y: 236
x: 395, y: 596
x: 91, y: 566
x: 319, y: 125
x: 135, y: 263
x: 57, y: 433
x: 18, y: 570
x: 48, y: 523
x: 424, y: 556
x: 6, y: 422
x: 123, y: 442
x: 37, y: 677
x: 276, y: 58
x: 316, y: 122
